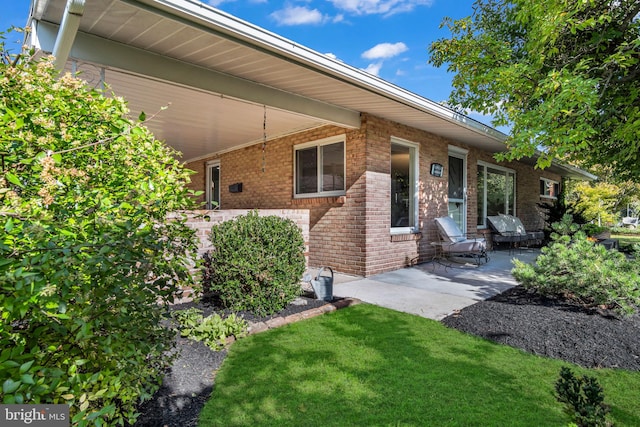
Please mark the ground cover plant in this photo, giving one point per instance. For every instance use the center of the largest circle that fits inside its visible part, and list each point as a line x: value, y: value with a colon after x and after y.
x: 366, y: 365
x: 256, y: 264
x: 86, y: 249
x: 213, y: 330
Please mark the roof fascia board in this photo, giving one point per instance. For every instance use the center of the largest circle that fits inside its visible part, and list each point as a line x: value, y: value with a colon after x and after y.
x: 238, y: 30
x: 97, y: 50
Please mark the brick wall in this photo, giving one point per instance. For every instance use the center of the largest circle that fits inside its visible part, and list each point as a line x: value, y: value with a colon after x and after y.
x: 202, y: 221
x: 351, y: 233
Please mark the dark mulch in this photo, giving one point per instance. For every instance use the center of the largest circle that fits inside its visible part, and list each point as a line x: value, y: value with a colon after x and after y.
x: 188, y: 383
x: 522, y: 319
x: 554, y: 328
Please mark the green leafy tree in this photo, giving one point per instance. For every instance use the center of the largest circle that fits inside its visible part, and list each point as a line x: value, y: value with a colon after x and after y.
x: 87, y: 254
x: 564, y: 74
x: 597, y: 201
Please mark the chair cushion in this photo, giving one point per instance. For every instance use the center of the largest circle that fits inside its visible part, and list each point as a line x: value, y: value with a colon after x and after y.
x: 514, y: 225
x: 449, y: 230
x: 498, y: 223
x: 467, y: 246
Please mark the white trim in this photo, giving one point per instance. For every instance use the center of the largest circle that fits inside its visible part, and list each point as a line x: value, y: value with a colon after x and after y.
x: 324, y: 141
x: 207, y: 188
x: 486, y: 165
x: 554, y: 183
x: 415, y: 181
x: 462, y: 154
x: 494, y: 166
x: 320, y: 143
x: 457, y: 150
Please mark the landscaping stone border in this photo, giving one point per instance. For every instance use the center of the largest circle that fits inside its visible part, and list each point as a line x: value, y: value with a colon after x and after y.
x: 275, y: 322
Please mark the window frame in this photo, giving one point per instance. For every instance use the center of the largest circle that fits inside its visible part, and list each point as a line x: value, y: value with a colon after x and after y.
x: 487, y: 165
x: 318, y: 144
x: 414, y: 174
x: 554, y: 184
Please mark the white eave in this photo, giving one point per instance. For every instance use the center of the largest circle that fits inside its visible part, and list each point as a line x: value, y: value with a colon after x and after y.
x: 219, y: 73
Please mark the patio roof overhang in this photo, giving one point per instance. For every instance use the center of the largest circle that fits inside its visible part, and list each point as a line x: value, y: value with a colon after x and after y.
x: 220, y: 76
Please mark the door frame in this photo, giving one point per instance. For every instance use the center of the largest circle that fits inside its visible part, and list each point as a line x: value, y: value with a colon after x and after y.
x: 460, y: 153
x: 207, y: 187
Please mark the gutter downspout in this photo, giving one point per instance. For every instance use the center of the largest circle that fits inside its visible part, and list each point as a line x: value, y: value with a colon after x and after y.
x: 67, y: 33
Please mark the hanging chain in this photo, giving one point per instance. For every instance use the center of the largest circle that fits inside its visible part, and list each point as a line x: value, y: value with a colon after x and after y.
x: 264, y: 140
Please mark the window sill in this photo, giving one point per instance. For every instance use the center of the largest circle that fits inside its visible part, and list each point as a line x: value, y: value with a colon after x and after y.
x: 406, y: 237
x: 320, y: 201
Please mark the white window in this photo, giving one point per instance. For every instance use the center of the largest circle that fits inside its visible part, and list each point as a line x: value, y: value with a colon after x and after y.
x: 496, y: 192
x: 549, y: 188
x: 319, y: 168
x: 404, y: 186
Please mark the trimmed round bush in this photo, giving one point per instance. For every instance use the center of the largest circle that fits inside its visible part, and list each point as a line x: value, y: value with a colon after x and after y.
x: 257, y: 263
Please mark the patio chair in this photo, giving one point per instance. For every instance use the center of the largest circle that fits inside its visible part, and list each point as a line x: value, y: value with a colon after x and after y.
x: 456, y: 244
x: 629, y: 221
x: 509, y: 229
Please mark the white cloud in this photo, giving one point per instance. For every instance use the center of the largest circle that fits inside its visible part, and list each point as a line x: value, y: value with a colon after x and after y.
x: 374, y: 68
x: 385, y: 50
x: 215, y: 3
x: 382, y: 7
x: 297, y: 15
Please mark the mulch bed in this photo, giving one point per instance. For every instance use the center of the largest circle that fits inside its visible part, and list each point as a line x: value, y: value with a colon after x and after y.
x: 554, y: 328
x: 188, y: 383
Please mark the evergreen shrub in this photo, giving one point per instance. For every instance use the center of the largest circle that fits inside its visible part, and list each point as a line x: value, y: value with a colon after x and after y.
x: 576, y: 268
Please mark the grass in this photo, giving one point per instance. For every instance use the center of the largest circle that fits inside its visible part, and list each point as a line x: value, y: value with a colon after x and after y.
x: 370, y: 366
x: 626, y: 240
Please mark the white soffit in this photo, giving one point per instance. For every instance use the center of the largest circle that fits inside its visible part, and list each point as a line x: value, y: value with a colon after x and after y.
x: 194, y: 45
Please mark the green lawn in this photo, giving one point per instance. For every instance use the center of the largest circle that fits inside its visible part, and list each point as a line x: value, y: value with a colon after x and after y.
x: 626, y: 240
x: 369, y: 366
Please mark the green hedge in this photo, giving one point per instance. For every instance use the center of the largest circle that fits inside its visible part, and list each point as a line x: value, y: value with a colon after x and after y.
x: 86, y: 252
x: 257, y: 263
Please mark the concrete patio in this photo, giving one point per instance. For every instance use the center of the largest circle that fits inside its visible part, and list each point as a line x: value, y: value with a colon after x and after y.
x: 434, y: 290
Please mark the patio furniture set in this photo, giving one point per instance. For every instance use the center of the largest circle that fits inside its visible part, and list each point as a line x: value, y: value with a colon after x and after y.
x: 454, y: 244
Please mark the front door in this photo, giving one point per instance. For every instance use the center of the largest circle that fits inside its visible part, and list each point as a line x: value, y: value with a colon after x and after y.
x: 212, y: 186
x: 458, y: 189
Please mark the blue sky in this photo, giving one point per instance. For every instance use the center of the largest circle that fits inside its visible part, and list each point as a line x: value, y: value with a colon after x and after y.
x: 388, y: 38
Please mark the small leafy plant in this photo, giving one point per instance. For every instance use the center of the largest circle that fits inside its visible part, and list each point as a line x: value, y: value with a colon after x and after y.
x: 583, y: 397
x: 212, y: 330
x: 257, y: 263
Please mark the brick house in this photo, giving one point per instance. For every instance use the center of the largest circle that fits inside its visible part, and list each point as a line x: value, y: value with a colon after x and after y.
x: 266, y: 123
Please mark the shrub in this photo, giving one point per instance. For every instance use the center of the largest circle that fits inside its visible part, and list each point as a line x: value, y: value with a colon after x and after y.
x: 593, y: 229
x: 212, y: 330
x: 257, y: 263
x: 583, y: 397
x: 575, y: 268
x: 86, y: 252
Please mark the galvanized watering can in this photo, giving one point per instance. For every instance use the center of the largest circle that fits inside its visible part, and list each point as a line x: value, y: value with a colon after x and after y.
x: 323, y: 285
